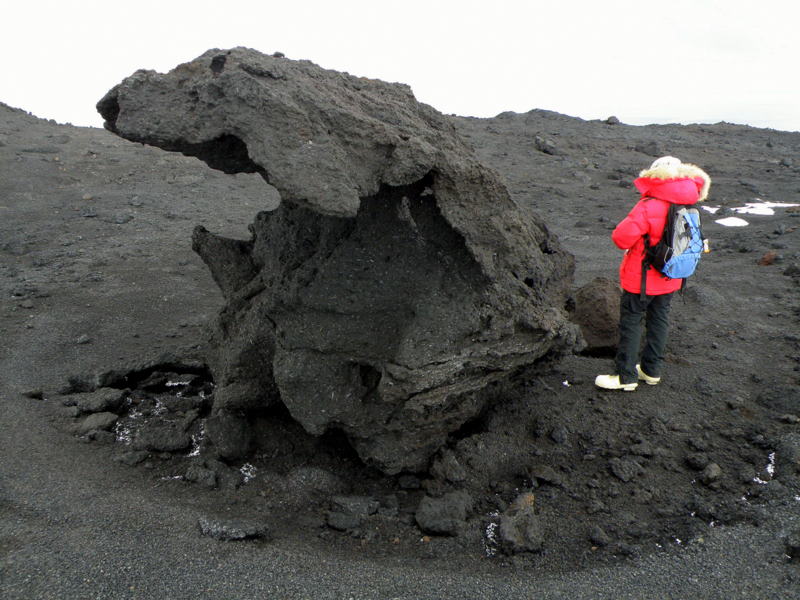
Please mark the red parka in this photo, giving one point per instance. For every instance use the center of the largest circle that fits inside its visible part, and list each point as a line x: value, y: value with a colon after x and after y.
x: 650, y: 216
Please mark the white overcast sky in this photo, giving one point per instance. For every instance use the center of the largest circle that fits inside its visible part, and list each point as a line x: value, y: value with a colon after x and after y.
x: 644, y: 61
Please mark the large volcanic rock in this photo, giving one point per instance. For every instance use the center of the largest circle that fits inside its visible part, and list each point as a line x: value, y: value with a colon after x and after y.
x: 396, y: 281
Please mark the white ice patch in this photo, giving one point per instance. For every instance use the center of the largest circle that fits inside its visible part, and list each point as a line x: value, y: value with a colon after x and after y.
x: 248, y: 471
x: 197, y: 438
x: 732, y: 222
x: 770, y: 469
x: 760, y: 207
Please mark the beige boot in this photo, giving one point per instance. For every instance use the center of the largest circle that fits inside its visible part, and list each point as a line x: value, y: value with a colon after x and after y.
x: 646, y: 378
x: 612, y: 382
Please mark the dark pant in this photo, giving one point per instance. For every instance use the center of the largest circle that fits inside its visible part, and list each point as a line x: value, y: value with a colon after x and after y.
x: 632, y: 311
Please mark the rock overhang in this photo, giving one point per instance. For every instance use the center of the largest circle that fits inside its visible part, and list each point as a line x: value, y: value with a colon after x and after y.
x: 396, y: 281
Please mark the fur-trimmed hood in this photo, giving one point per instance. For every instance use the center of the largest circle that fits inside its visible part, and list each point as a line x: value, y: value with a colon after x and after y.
x: 682, y: 183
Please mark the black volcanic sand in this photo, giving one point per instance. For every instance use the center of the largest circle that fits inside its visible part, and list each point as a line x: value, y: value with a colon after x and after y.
x: 684, y: 488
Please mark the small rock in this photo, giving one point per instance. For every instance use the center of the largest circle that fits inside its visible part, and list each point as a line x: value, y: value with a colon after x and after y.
x: 445, y: 515
x: 788, y: 454
x: 625, y: 469
x: 612, y: 120
x: 559, y: 434
x: 409, y: 482
x: 711, y: 473
x: 162, y: 436
x: 102, y: 437
x: 83, y: 339
x: 101, y: 400
x: 698, y: 460
x: 201, y: 475
x: 26, y: 304
x: 447, y: 467
x: 121, y: 219
x: 520, y: 530
x: 355, y: 505
x: 228, y: 478
x: 768, y: 258
x: 599, y: 537
x: 131, y: 457
x: 311, y: 481
x: 231, y: 434
x: 792, y: 270
x: 544, y: 145
x: 231, y: 530
x: 344, y: 521
x: 36, y: 394
x: 101, y: 421
x: 791, y: 419
x: 546, y: 473
x: 792, y: 544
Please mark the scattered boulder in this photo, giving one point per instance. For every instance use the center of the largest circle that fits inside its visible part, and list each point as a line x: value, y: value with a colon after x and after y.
x: 445, y: 515
x: 520, y: 529
x: 231, y: 530
x: 395, y: 282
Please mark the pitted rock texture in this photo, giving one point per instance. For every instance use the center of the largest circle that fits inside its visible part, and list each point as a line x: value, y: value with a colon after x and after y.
x: 397, y: 280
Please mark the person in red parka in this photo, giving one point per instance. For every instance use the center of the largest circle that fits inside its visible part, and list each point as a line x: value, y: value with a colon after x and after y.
x: 667, y: 181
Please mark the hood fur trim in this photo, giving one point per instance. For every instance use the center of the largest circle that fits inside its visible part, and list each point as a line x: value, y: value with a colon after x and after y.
x: 681, y: 171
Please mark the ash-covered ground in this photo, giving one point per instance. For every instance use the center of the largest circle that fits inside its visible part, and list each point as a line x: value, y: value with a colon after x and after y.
x: 689, y: 487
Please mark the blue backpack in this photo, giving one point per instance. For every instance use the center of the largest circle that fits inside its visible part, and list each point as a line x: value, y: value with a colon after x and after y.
x: 678, y: 251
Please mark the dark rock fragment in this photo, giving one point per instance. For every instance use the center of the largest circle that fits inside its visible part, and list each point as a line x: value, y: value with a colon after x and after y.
x: 355, y: 505
x: 203, y: 476
x: 599, y: 537
x: 308, y: 482
x: 447, y: 468
x: 711, y: 473
x: 101, y: 421
x: 162, y: 436
x: 445, y: 515
x: 792, y: 545
x: 698, y: 460
x: 131, y: 457
x: 625, y: 469
x: 344, y: 521
x: 232, y: 530
x: 101, y: 400
x: 520, y: 529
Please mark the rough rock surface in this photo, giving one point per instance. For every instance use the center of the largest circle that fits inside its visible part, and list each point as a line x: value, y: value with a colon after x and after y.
x: 395, y: 282
x: 597, y: 313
